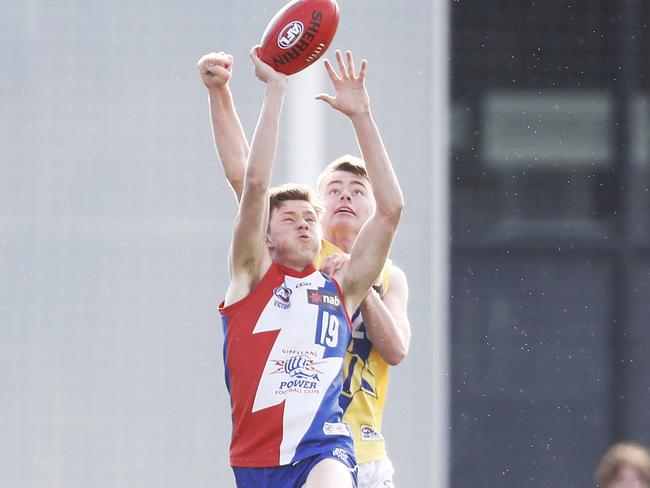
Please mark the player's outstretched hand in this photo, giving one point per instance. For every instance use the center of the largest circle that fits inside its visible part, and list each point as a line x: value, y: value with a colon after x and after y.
x: 332, y: 264
x: 263, y: 71
x: 215, y: 69
x: 351, y: 97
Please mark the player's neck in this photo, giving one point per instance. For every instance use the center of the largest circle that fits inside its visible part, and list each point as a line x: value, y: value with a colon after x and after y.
x: 298, y: 265
x: 341, y: 239
x: 298, y: 269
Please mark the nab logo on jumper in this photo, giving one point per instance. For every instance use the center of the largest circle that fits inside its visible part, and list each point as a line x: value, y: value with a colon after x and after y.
x: 283, y: 353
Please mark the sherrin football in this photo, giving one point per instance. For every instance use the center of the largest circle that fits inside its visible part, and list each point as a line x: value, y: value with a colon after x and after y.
x: 299, y: 34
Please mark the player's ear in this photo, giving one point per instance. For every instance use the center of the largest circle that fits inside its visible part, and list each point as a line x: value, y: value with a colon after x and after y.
x: 267, y: 239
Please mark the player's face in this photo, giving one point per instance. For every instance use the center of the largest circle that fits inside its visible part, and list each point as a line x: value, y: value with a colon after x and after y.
x: 628, y: 477
x: 348, y: 201
x: 294, y: 234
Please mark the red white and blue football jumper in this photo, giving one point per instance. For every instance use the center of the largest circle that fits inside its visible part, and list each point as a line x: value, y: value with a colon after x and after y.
x: 283, y: 353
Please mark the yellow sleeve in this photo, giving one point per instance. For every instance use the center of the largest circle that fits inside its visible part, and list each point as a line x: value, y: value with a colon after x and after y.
x: 327, y: 249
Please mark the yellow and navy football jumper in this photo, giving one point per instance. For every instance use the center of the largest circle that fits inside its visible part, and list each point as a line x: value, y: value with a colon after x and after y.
x: 365, y: 380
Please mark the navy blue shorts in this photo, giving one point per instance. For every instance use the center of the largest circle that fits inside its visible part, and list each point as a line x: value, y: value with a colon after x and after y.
x: 292, y: 475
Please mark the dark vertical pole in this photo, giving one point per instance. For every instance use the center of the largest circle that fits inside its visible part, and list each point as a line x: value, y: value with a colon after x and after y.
x: 626, y: 73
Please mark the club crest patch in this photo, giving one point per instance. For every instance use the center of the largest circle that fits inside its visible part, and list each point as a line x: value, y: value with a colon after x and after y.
x: 282, y: 296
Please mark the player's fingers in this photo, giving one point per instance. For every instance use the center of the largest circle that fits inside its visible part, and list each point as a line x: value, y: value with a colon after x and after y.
x: 223, y: 58
x: 351, y: 69
x: 220, y: 59
x: 339, y: 60
x: 213, y: 63
x: 362, y: 71
x: 326, y: 98
x: 255, y: 53
x: 215, y: 69
x: 203, y: 62
x: 326, y: 267
x: 330, y: 71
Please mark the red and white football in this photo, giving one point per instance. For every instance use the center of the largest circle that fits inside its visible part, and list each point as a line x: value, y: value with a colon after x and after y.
x: 299, y: 34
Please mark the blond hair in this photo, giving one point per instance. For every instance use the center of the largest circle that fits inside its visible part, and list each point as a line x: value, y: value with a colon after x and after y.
x: 619, y: 455
x: 348, y: 163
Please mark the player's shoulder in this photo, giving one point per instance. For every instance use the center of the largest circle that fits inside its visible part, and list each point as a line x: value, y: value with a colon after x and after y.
x: 329, y: 248
x: 244, y: 283
x: 396, y: 270
x: 396, y: 277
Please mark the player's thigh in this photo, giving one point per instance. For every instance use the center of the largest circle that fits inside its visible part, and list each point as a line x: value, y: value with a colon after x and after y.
x: 329, y: 473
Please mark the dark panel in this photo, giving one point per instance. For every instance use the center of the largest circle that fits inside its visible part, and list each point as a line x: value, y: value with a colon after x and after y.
x: 635, y: 358
x: 531, y: 357
x: 509, y: 43
x: 532, y: 103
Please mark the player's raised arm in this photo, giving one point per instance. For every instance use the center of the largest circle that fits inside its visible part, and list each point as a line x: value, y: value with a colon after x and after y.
x: 371, y: 246
x: 229, y: 137
x: 248, y: 256
x: 386, y: 318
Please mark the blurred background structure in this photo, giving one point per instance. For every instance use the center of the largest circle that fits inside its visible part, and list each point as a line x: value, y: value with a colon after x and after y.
x: 526, y: 247
x: 551, y: 276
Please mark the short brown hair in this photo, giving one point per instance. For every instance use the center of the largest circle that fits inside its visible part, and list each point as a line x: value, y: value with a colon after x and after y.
x: 349, y: 163
x: 293, y: 191
x: 624, y: 453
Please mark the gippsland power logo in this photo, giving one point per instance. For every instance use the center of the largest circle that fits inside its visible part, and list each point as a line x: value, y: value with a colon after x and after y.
x: 301, y: 374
